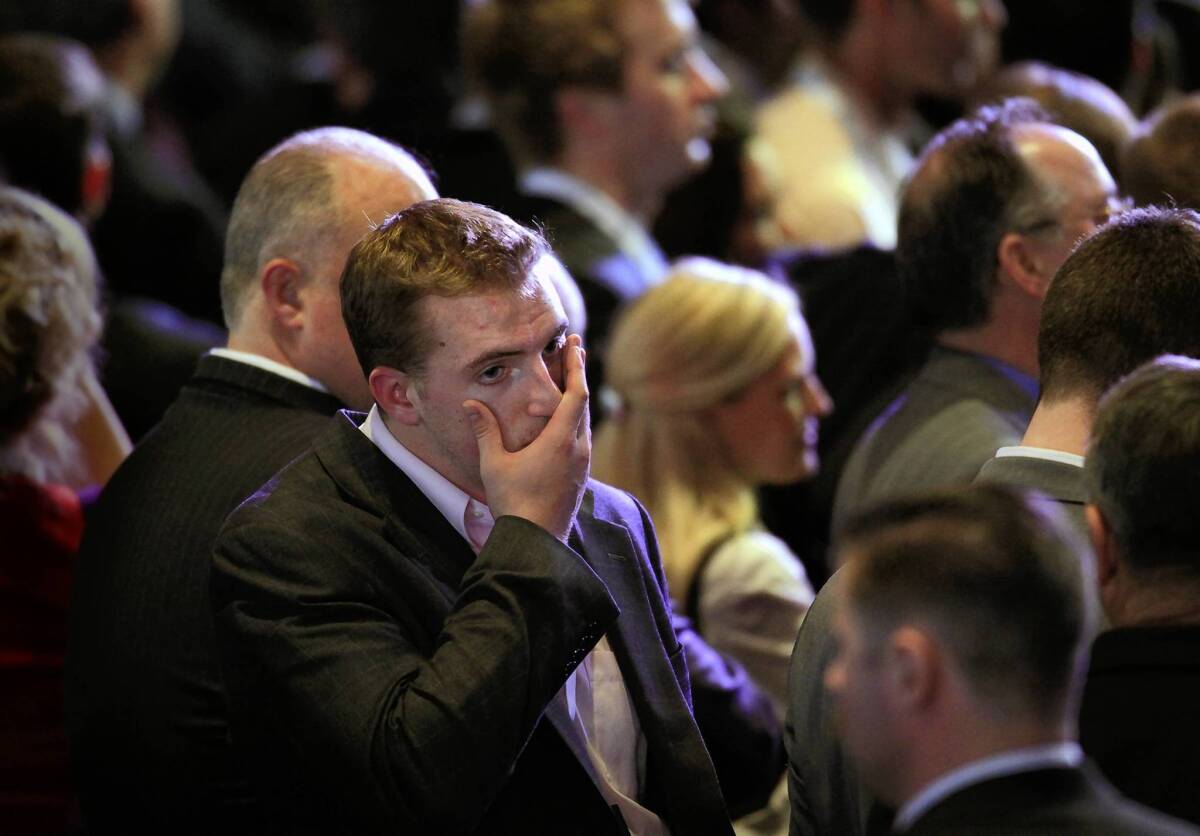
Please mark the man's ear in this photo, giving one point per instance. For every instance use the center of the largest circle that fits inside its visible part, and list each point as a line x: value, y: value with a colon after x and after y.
x: 914, y: 667
x: 1104, y: 544
x: 1018, y: 260
x: 396, y: 394
x: 281, y: 280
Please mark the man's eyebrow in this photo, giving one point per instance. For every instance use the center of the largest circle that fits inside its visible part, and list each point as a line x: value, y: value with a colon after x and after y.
x: 489, y: 357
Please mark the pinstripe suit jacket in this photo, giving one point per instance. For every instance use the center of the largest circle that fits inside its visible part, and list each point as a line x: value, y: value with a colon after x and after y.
x: 957, y: 412
x: 146, y: 705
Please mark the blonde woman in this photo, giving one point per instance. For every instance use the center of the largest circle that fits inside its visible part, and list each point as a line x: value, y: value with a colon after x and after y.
x: 714, y: 393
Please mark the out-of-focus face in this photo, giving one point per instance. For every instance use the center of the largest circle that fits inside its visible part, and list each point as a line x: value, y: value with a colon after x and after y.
x: 665, y: 114
x: 501, y: 348
x: 854, y: 681
x: 1072, y: 168
x: 946, y: 47
x: 365, y: 194
x: 769, y: 430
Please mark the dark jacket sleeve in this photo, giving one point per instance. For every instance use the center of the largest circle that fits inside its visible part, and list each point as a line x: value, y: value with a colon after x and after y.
x: 325, y: 635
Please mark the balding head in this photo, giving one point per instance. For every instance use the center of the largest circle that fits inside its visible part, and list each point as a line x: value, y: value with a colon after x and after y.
x: 304, y: 204
x: 1002, y: 192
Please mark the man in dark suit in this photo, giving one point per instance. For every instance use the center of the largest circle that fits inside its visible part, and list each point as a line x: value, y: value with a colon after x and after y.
x: 997, y: 202
x: 604, y: 107
x: 434, y: 622
x: 961, y: 633
x: 1122, y: 298
x: 146, y: 704
x: 1138, y: 718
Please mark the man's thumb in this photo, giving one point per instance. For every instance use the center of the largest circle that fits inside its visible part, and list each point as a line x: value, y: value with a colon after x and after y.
x: 483, y: 423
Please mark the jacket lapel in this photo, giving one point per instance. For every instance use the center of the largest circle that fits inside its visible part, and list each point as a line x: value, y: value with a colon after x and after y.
x: 681, y: 792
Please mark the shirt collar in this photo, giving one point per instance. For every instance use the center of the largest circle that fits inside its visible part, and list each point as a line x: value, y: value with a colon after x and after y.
x: 1060, y: 456
x: 269, y: 365
x: 1066, y: 754
x: 631, y: 237
x: 447, y: 497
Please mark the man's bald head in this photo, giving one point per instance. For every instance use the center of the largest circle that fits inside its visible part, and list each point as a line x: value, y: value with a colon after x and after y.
x: 1002, y: 170
x: 305, y: 196
x: 298, y: 213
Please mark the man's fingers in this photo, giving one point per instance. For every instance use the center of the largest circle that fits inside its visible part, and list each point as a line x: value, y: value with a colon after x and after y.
x: 573, y: 406
x: 484, y: 425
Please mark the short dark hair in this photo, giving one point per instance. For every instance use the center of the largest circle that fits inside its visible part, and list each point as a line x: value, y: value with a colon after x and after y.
x: 1143, y: 465
x: 438, y: 247
x: 1000, y: 577
x: 828, y: 18
x: 1127, y: 294
x: 969, y: 188
x: 522, y: 52
x: 51, y: 97
x: 1159, y: 166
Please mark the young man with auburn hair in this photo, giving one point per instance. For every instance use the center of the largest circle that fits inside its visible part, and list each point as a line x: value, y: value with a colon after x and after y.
x: 434, y: 621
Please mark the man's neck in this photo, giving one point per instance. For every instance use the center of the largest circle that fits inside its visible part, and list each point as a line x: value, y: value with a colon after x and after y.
x: 638, y: 199
x: 954, y: 750
x: 256, y: 344
x: 1062, y: 424
x: 998, y: 339
x: 415, y: 442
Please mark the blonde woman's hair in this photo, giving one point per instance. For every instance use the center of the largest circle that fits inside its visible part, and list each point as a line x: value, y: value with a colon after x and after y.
x: 689, y: 344
x: 49, y: 323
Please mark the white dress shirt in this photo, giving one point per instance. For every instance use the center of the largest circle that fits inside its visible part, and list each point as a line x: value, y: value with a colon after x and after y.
x: 1067, y: 754
x: 268, y: 365
x: 1021, y: 451
x: 594, y: 695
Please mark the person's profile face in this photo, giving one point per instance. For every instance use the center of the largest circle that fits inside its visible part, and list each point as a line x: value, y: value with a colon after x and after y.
x: 769, y: 430
x: 947, y: 47
x: 854, y: 682
x: 666, y: 115
x: 503, y: 348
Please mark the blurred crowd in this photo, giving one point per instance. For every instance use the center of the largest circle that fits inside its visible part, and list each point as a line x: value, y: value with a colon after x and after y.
x: 852, y: 277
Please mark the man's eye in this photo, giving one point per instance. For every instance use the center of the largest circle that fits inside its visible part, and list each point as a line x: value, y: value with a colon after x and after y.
x: 554, y: 346
x: 492, y: 374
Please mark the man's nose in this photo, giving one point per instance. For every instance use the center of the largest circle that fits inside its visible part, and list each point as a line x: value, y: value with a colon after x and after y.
x: 707, y: 81
x: 545, y: 393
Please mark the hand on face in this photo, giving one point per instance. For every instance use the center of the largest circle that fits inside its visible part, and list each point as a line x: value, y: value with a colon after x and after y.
x: 544, y: 481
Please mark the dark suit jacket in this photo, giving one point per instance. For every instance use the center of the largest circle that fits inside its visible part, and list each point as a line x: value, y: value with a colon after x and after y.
x: 823, y: 786
x: 389, y: 680
x: 146, y: 703
x: 1139, y: 720
x: 1044, y: 802
x: 951, y: 419
x: 1059, y: 481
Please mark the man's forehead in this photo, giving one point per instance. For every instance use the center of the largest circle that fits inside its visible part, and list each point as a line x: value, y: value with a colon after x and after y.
x: 495, y: 315
x: 643, y: 22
